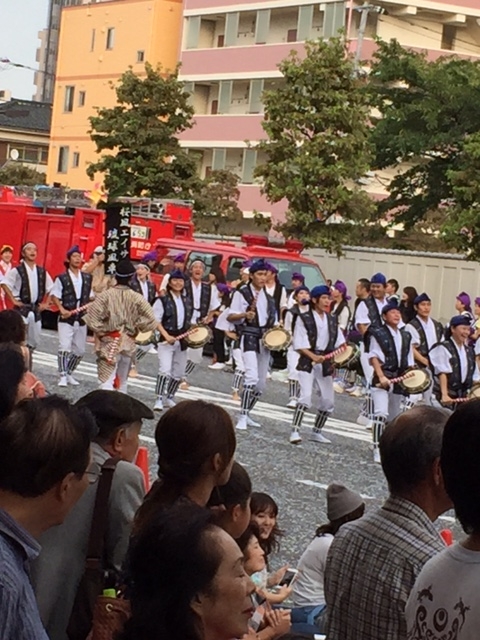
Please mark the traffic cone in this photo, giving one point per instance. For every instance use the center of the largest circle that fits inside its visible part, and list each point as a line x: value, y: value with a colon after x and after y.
x: 447, y: 536
x: 142, y: 463
x: 116, y: 383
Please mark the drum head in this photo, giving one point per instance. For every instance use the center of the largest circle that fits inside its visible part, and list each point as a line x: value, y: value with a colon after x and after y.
x: 199, y: 336
x: 144, y: 337
x: 475, y: 391
x: 345, y: 355
x: 416, y: 380
x: 277, y: 339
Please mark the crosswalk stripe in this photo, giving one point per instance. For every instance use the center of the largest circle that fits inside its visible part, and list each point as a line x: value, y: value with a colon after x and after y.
x: 262, y: 409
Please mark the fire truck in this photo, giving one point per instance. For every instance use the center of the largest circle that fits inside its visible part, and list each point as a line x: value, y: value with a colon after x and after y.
x: 56, y: 219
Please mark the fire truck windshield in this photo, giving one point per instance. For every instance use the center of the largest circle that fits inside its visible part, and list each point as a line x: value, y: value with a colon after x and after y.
x: 312, y: 273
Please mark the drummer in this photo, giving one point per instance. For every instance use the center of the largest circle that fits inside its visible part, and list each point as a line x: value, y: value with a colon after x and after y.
x: 253, y: 311
x: 453, y: 362
x: 390, y: 354
x: 141, y: 283
x: 204, y: 299
x: 425, y: 332
x: 313, y: 337
x: 301, y: 298
x: 173, y: 313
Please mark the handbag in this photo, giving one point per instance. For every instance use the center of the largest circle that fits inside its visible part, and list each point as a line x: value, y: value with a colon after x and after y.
x: 93, y: 580
x: 109, y: 616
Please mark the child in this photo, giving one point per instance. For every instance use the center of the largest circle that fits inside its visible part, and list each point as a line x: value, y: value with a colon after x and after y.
x: 264, y: 514
x: 232, y: 501
x: 301, y: 304
x: 343, y: 506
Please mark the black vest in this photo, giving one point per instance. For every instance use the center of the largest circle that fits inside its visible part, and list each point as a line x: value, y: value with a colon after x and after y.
x: 151, y: 291
x: 457, y: 388
x: 31, y: 305
x: 250, y: 330
x: 336, y: 312
x: 423, y: 346
x: 295, y: 312
x: 170, y: 320
x: 374, y: 317
x: 392, y: 367
x: 69, y: 297
x: 277, y: 296
x: 205, y: 297
x: 304, y: 362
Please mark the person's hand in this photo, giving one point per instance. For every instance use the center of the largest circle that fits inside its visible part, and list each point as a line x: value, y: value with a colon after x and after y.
x: 170, y: 339
x: 282, y: 593
x: 277, y: 576
x: 318, y: 359
x: 43, y: 306
x: 66, y: 314
x: 18, y: 303
x: 250, y: 315
x: 446, y: 399
x: 384, y: 382
x: 279, y: 621
x: 250, y: 635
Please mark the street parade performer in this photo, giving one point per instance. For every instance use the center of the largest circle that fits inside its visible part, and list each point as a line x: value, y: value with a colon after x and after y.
x: 390, y: 354
x: 316, y: 334
x: 28, y: 286
x: 71, y: 291
x: 116, y: 316
x: 453, y: 362
x: 253, y: 311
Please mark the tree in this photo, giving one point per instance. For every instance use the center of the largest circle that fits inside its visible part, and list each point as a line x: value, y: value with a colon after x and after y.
x: 216, y: 201
x: 316, y: 123
x: 429, y: 123
x: 142, y: 132
x: 18, y: 174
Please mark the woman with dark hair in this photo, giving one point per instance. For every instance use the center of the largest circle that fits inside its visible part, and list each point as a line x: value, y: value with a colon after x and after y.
x: 406, y: 306
x: 216, y: 275
x: 188, y: 580
x: 13, y: 331
x: 14, y: 385
x: 231, y: 502
x: 196, y: 443
x: 343, y: 505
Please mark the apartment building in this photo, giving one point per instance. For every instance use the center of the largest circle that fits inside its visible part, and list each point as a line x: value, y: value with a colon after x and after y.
x: 230, y: 52
x: 98, y: 42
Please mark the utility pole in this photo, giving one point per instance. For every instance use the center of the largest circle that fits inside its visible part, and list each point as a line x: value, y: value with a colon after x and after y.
x: 365, y: 11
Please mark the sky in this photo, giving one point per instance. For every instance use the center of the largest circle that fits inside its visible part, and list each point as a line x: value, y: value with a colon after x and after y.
x: 21, y: 20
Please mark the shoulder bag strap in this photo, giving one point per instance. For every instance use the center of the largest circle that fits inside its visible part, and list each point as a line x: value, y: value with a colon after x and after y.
x: 98, y: 529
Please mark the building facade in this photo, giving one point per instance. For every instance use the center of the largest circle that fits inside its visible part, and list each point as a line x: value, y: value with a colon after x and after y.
x: 98, y: 43
x: 24, y: 132
x: 230, y: 52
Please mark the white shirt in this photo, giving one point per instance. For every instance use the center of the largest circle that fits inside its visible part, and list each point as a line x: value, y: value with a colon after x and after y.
x: 144, y: 287
x: 287, y: 323
x: 343, y: 317
x: 361, y: 315
x: 222, y: 323
x: 376, y: 351
x: 440, y: 360
x: 300, y: 335
x: 308, y: 586
x: 240, y: 305
x: 77, y: 281
x: 429, y: 329
x: 14, y: 282
x: 283, y: 296
x: 159, y: 311
x: 444, y: 602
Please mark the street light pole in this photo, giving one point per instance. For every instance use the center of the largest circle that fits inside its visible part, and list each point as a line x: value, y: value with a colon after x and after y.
x: 365, y: 11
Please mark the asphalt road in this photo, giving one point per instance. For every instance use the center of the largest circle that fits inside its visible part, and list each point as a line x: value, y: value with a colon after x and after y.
x: 296, y: 476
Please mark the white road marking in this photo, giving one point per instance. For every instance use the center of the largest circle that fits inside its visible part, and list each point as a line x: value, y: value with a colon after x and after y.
x: 262, y: 409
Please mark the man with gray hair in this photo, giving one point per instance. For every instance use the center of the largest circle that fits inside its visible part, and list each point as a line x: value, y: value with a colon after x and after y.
x: 373, y: 562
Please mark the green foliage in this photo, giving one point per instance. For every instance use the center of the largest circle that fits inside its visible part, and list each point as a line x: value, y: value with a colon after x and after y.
x: 14, y: 173
x: 317, y: 146
x: 216, y: 201
x: 142, y: 132
x: 430, y: 119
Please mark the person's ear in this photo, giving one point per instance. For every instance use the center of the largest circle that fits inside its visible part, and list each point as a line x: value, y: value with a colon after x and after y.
x: 437, y: 473
x: 62, y: 488
x: 217, y: 463
x: 197, y: 604
x: 118, y: 440
x: 236, y: 512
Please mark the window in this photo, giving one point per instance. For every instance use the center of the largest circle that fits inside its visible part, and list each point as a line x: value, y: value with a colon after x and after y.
x: 81, y: 98
x: 210, y: 259
x: 62, y: 165
x: 69, y: 97
x: 221, y: 41
x: 449, y: 35
x: 140, y: 56
x: 233, y: 269
x: 30, y: 153
x: 92, y: 41
x: 75, y: 160
x: 110, y: 38
x: 292, y: 35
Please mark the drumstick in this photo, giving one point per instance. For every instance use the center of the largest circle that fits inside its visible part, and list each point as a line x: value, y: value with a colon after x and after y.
x: 399, y: 378
x: 187, y: 333
x: 332, y: 354
x: 80, y: 309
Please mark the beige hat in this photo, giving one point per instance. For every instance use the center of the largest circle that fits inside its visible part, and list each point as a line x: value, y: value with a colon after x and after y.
x: 341, y: 501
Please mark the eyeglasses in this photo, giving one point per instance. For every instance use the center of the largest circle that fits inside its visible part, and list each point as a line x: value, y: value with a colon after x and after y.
x: 92, y: 475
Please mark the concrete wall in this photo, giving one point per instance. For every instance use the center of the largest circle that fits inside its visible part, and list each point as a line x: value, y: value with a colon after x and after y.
x: 440, y: 275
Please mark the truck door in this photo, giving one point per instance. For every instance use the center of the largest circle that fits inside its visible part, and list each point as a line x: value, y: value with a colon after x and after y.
x: 52, y: 237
